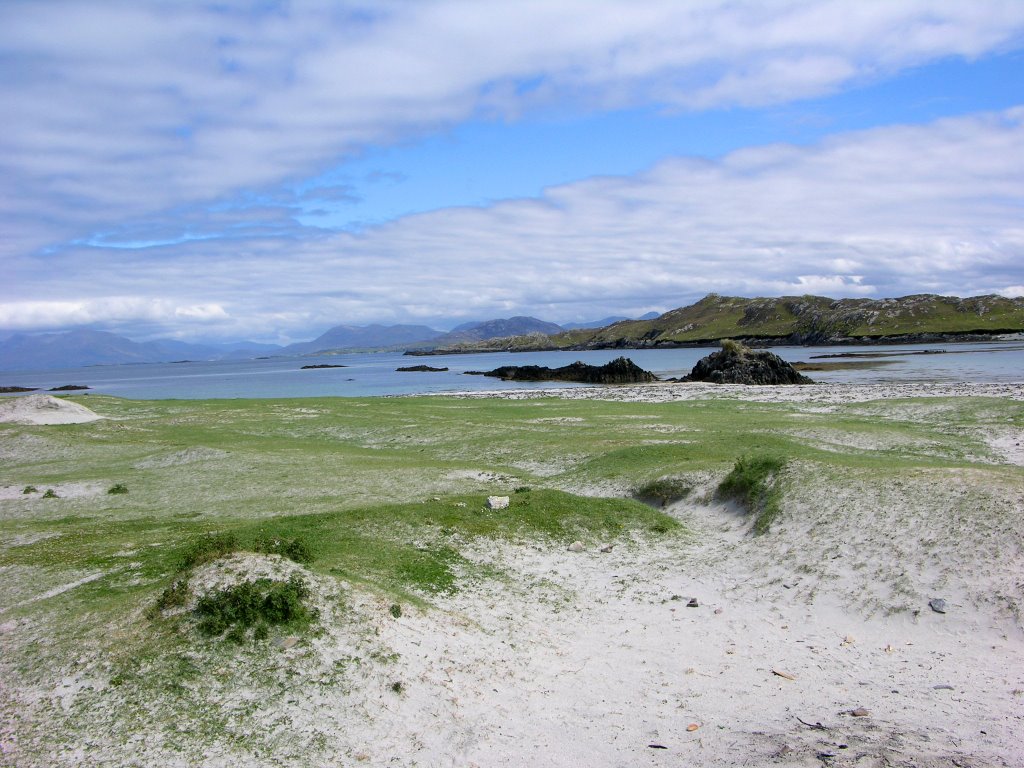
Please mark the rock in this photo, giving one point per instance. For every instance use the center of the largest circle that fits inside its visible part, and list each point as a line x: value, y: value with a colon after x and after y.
x: 622, y: 370
x: 692, y: 727
x: 607, y: 548
x: 285, y: 643
x: 420, y: 369
x: 497, y: 502
x: 937, y: 604
x: 859, y: 712
x: 693, y: 603
x: 737, y: 364
x: 320, y: 366
x: 576, y: 546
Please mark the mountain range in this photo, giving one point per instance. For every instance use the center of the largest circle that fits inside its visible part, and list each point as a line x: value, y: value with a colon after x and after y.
x: 84, y: 347
x: 783, y: 320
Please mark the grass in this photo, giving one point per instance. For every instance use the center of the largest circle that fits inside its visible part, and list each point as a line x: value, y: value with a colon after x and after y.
x: 754, y: 481
x: 664, y: 490
x: 385, y: 495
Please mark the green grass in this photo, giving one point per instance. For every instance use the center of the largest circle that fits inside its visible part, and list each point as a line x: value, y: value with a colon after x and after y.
x: 379, y: 495
x: 754, y: 481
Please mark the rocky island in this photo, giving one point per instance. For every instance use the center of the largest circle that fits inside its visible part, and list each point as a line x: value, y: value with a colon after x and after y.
x: 622, y: 370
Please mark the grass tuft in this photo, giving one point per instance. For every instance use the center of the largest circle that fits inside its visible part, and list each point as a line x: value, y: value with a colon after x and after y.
x: 118, y: 488
x: 663, y: 491
x: 295, y: 549
x: 753, y: 482
x: 206, y: 549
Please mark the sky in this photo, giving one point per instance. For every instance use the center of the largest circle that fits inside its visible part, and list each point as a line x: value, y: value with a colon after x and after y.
x: 216, y: 171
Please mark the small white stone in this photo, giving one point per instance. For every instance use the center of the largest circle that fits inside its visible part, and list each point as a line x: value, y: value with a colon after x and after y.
x: 497, y: 502
x: 576, y: 546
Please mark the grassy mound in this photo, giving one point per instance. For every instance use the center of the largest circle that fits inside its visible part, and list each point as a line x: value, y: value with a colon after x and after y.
x: 754, y: 482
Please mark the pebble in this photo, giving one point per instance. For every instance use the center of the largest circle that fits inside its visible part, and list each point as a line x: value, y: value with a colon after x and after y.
x: 497, y: 502
x: 576, y: 546
x: 937, y: 604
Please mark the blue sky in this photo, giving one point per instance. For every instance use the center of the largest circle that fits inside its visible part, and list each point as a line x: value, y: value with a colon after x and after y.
x: 267, y: 170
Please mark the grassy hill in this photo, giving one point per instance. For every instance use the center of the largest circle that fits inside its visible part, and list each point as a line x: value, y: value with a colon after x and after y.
x: 792, y: 319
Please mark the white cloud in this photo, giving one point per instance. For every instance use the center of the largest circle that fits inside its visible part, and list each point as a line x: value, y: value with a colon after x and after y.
x: 884, y: 212
x: 117, y: 109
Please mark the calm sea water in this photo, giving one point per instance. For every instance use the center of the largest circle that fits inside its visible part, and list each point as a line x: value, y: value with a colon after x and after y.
x: 375, y: 374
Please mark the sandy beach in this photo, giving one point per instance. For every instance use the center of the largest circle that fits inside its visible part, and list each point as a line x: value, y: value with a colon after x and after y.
x: 876, y: 624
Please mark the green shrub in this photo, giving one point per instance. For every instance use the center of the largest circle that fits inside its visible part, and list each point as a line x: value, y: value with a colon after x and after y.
x: 396, y: 610
x: 50, y: 494
x: 174, y: 596
x: 261, y: 603
x: 29, y: 489
x: 207, y: 548
x: 295, y: 549
x: 753, y: 482
x: 664, y: 490
x: 119, y: 488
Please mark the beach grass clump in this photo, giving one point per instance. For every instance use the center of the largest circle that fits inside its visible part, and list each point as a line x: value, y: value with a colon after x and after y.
x: 296, y: 548
x: 206, y: 549
x: 117, y: 488
x: 29, y: 489
x: 663, y: 491
x: 254, y: 604
x: 754, y: 483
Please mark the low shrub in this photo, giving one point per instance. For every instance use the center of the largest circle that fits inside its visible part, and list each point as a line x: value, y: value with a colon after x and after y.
x: 396, y: 610
x: 50, y: 494
x: 207, y: 548
x: 174, y: 596
x: 29, y: 489
x: 295, y: 549
x: 118, y: 488
x: 753, y: 482
x: 259, y: 604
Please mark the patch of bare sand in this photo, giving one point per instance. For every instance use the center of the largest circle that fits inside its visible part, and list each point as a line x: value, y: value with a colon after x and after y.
x: 43, y: 409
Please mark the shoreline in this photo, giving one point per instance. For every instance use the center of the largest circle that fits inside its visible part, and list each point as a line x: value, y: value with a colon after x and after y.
x: 831, y: 394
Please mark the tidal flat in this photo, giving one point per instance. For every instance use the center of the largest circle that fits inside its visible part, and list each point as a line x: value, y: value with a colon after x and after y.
x: 442, y: 631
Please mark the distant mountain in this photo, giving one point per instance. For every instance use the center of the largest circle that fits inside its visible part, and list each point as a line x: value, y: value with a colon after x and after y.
x: 78, y: 348
x: 606, y: 322
x: 351, y: 337
x: 496, y: 329
x: 789, y: 320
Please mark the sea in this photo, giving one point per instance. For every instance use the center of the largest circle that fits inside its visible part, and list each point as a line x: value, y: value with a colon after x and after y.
x: 375, y: 374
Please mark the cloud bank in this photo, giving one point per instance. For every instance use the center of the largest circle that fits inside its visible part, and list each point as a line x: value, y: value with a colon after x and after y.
x: 887, y: 212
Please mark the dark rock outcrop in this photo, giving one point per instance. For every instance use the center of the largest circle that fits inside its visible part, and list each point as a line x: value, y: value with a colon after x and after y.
x: 737, y: 364
x: 320, y: 366
x: 619, y: 371
x: 420, y: 368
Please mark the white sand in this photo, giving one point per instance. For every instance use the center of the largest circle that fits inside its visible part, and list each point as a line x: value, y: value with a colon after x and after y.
x: 43, y: 409
x: 594, y: 659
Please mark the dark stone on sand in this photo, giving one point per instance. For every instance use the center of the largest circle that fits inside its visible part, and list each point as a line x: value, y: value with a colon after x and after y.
x: 619, y: 371
x: 737, y: 364
x: 937, y: 604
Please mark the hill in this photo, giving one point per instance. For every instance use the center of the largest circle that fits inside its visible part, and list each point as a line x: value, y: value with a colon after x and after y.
x: 790, y: 320
x: 500, y: 328
x: 353, y: 337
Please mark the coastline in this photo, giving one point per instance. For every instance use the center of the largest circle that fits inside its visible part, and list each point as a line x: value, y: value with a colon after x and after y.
x: 831, y: 394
